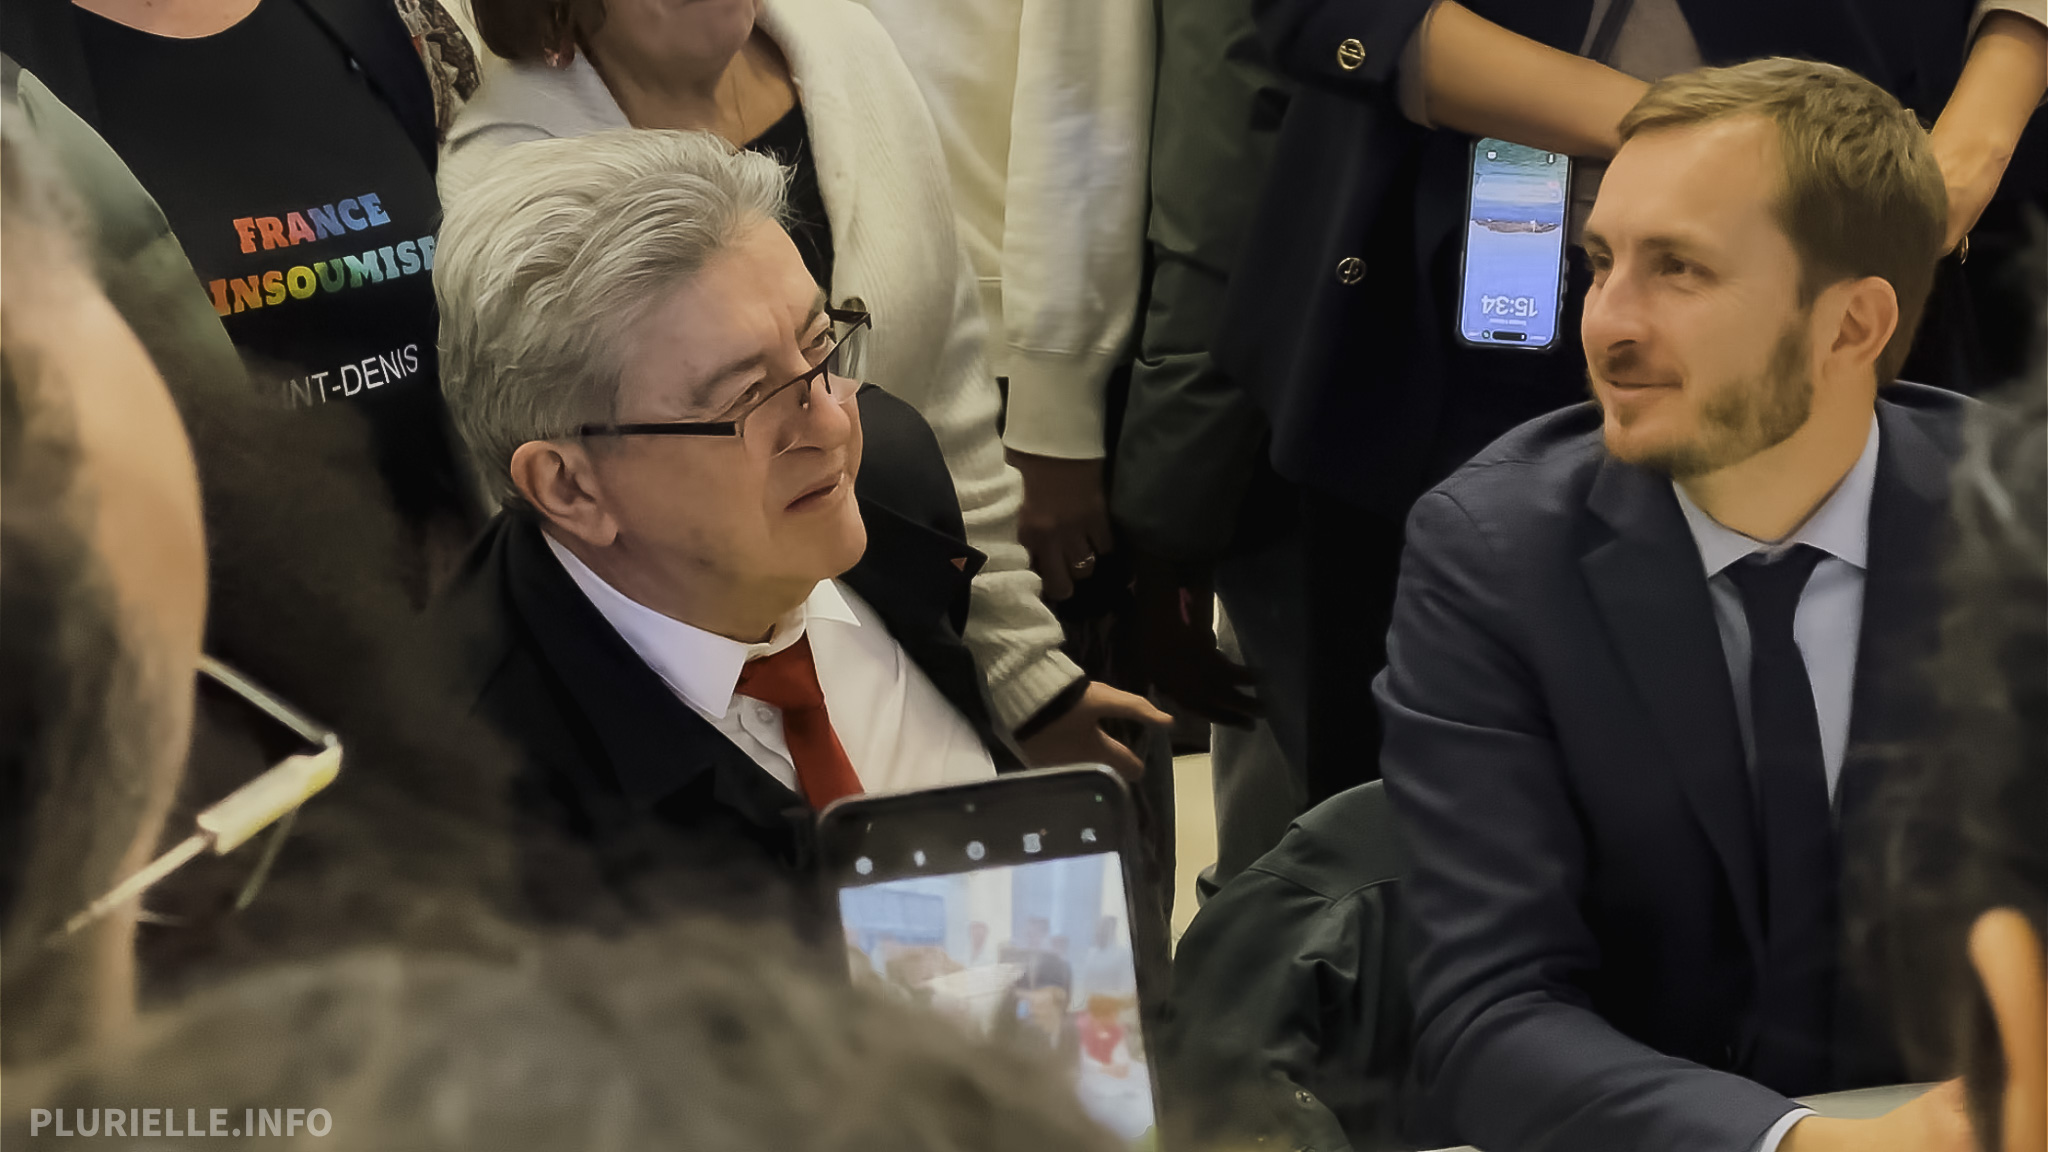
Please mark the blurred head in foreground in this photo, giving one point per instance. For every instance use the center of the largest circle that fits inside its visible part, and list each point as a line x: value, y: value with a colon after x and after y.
x: 1964, y: 874
x: 102, y: 603
x: 701, y: 1036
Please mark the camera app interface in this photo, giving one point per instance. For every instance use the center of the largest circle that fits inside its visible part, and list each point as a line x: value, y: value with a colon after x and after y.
x: 1035, y: 953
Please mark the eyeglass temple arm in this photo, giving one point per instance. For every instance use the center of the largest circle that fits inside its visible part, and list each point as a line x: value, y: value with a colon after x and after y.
x: 225, y: 826
x: 272, y: 707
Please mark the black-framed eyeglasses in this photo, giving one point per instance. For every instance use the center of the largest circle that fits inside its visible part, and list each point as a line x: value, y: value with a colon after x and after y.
x: 836, y: 358
x: 272, y: 798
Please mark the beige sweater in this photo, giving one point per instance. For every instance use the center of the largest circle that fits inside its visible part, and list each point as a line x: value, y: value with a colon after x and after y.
x: 1044, y: 109
x: 884, y: 183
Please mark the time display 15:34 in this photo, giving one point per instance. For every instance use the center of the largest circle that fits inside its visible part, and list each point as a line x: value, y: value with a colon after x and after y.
x: 1525, y: 307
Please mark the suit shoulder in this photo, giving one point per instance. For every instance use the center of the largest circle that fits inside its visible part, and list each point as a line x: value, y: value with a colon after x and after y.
x: 473, y: 615
x: 902, y: 467
x: 1937, y: 412
x: 1533, y: 477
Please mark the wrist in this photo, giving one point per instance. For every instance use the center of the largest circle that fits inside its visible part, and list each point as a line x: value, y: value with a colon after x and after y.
x: 1612, y: 94
x: 1055, y: 708
x: 1968, y: 144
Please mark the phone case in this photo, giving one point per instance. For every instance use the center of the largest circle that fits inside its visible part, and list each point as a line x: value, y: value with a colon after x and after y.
x: 1465, y: 262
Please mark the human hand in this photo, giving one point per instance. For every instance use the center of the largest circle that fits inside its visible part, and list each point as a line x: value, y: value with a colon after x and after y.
x: 1994, y: 99
x: 1936, y: 1121
x: 1179, y: 650
x: 1970, y: 169
x: 1076, y: 737
x: 1064, y: 524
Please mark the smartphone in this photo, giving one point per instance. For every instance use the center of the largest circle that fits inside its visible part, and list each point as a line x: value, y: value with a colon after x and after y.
x: 1007, y: 905
x: 1513, y: 278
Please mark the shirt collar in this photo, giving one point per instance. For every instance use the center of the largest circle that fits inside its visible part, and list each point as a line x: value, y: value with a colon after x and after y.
x: 1840, y: 526
x: 701, y: 667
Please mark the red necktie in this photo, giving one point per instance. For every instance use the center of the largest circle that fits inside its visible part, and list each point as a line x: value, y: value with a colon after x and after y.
x: 789, y: 680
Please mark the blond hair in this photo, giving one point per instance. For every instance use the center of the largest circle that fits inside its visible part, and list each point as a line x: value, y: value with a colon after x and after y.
x: 1861, y: 194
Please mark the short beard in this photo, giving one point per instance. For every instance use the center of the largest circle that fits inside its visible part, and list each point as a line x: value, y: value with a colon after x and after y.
x: 1743, y: 420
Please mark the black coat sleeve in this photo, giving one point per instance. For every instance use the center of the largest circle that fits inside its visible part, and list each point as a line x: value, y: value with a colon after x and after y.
x: 1304, y: 38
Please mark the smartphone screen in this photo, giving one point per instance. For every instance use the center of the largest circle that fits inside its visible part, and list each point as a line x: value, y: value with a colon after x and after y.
x: 1514, y: 246
x: 1005, y: 906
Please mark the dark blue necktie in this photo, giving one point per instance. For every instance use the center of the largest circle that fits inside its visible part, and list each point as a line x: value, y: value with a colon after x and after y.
x: 1796, y: 994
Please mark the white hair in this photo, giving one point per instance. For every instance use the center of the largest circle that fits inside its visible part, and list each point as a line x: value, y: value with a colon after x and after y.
x: 554, y: 253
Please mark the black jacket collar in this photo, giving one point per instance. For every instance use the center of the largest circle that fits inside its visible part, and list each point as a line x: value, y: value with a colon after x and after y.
x: 654, y: 744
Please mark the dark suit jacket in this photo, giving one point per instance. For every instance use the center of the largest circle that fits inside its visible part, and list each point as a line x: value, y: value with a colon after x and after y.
x: 621, y: 767
x: 1562, y: 752
x: 1369, y: 394
x: 1290, y: 1018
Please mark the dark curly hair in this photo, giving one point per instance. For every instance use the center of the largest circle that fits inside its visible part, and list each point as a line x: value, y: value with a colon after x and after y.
x: 1965, y: 819
x: 700, y: 1036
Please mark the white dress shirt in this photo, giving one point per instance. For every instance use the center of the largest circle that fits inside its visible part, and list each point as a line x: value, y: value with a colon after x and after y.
x: 898, y: 731
x: 1827, y: 626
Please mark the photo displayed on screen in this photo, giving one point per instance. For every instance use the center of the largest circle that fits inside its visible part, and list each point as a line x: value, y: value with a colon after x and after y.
x: 1514, y: 244
x: 1037, y: 953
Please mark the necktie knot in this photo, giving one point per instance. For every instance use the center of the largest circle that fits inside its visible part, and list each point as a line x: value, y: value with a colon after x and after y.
x: 787, y: 679
x: 1771, y: 586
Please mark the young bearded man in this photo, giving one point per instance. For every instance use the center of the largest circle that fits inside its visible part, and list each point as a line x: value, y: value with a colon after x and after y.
x: 1645, y: 650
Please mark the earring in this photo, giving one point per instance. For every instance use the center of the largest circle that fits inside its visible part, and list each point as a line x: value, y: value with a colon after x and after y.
x: 563, y: 50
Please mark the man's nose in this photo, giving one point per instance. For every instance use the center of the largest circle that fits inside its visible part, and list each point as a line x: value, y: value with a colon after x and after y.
x: 1613, y: 316
x: 823, y: 421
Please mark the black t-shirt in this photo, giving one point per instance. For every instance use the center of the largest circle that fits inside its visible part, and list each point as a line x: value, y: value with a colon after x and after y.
x: 308, y: 214
x: 788, y: 140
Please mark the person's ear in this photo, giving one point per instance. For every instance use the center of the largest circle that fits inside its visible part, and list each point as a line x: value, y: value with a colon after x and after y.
x: 561, y: 482
x: 1863, y: 314
x: 2007, y: 953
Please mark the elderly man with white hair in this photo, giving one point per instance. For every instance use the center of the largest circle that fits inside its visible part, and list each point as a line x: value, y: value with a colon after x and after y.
x: 728, y: 583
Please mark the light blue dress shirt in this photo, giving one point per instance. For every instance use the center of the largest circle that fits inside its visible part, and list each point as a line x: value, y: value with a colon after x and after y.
x: 1827, y: 625
x: 1829, y: 620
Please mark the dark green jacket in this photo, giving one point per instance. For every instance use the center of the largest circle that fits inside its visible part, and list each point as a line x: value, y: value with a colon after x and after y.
x: 1289, y: 1020
x: 140, y: 264
x: 1192, y: 440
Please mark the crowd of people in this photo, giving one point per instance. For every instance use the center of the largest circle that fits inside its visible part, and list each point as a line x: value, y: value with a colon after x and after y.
x: 615, y: 430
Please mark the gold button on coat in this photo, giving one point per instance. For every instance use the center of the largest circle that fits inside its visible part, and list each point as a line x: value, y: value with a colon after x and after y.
x: 854, y: 304
x: 1350, y: 270
x: 1350, y: 54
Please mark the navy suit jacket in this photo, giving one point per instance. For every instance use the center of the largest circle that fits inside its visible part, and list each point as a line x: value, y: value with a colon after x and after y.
x: 1563, y: 755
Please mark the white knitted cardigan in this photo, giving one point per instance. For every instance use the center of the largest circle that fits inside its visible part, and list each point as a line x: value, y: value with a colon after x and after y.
x: 884, y: 183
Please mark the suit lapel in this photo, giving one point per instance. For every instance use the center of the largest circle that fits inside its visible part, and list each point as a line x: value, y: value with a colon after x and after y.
x: 1652, y: 592
x: 1901, y: 595
x: 654, y: 742
x: 1892, y: 700
x: 917, y: 580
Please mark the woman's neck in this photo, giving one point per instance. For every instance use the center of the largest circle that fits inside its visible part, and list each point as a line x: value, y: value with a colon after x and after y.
x: 177, y: 19
x: 738, y: 102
